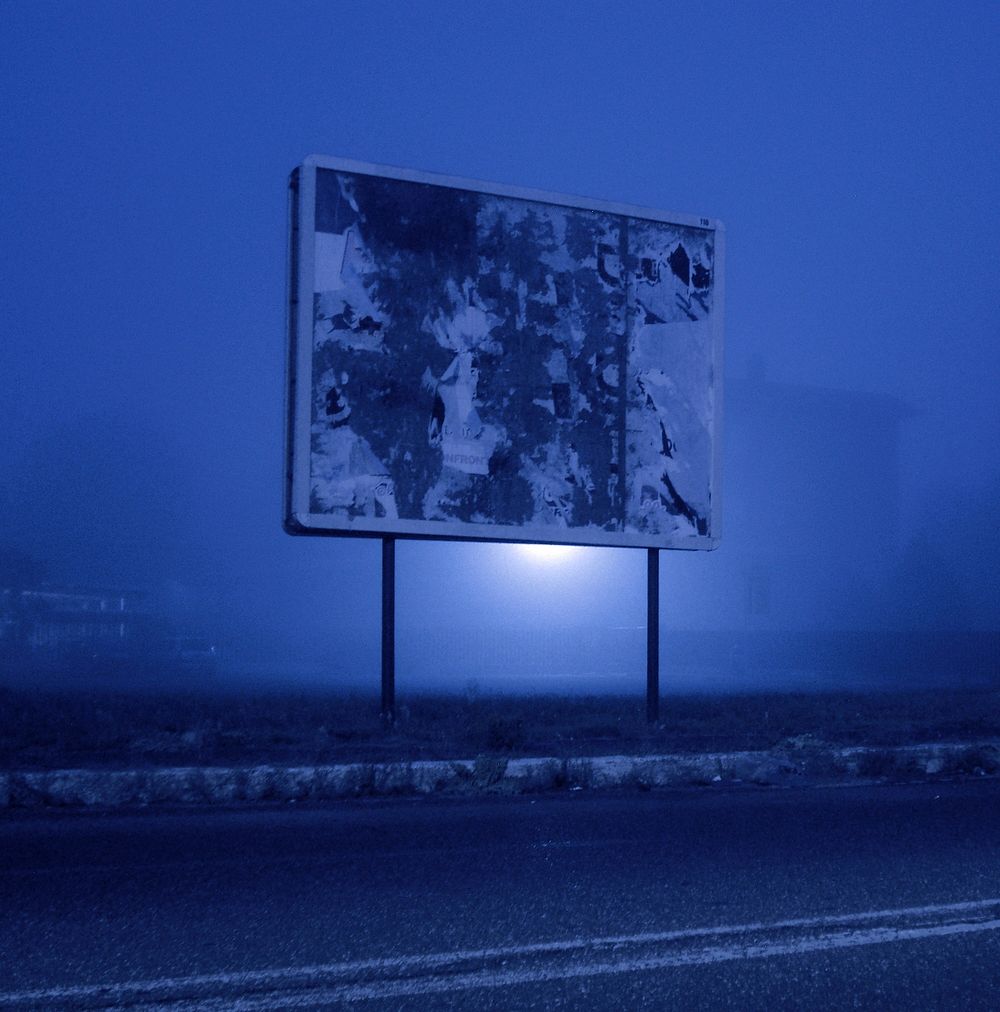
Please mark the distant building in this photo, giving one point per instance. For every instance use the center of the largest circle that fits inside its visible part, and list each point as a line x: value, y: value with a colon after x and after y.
x: 74, y: 630
x: 811, y: 506
x: 47, y: 622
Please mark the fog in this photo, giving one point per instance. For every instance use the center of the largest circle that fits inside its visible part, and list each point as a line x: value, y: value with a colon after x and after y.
x: 852, y: 156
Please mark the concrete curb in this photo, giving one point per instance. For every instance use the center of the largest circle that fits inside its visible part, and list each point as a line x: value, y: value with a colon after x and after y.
x: 801, y: 760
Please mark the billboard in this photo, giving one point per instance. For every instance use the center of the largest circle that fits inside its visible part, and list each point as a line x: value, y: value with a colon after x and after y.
x: 477, y: 361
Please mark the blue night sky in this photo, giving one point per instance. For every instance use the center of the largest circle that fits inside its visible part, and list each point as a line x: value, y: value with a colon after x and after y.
x: 850, y: 149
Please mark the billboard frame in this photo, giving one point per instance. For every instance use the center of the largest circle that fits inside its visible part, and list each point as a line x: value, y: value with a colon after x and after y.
x: 299, y: 520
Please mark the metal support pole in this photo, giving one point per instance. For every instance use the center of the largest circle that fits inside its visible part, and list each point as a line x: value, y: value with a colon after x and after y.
x: 652, y: 635
x: 388, y: 630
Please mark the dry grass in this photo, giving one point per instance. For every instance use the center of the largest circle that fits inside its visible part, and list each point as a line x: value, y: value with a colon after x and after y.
x: 60, y: 729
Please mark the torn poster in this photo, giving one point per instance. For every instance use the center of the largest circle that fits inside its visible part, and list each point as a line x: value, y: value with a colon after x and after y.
x: 486, y: 365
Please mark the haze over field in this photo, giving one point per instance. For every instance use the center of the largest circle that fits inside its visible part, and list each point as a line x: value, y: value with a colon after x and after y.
x: 850, y: 151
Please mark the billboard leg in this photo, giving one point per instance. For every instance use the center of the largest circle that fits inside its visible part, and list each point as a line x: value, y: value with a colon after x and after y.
x: 388, y: 630
x: 652, y: 635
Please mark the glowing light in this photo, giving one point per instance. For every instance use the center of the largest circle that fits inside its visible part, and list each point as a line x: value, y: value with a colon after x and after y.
x: 549, y: 553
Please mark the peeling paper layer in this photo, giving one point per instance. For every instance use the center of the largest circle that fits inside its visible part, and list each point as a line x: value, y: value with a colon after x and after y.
x: 492, y: 360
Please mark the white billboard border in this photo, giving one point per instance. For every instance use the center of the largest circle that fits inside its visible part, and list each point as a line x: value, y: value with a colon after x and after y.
x: 301, y: 269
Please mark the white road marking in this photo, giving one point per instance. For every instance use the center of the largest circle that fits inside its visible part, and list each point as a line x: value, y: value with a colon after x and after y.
x: 507, y: 978
x: 361, y: 980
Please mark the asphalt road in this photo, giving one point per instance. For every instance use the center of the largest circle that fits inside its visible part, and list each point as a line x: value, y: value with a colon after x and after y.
x: 876, y: 897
